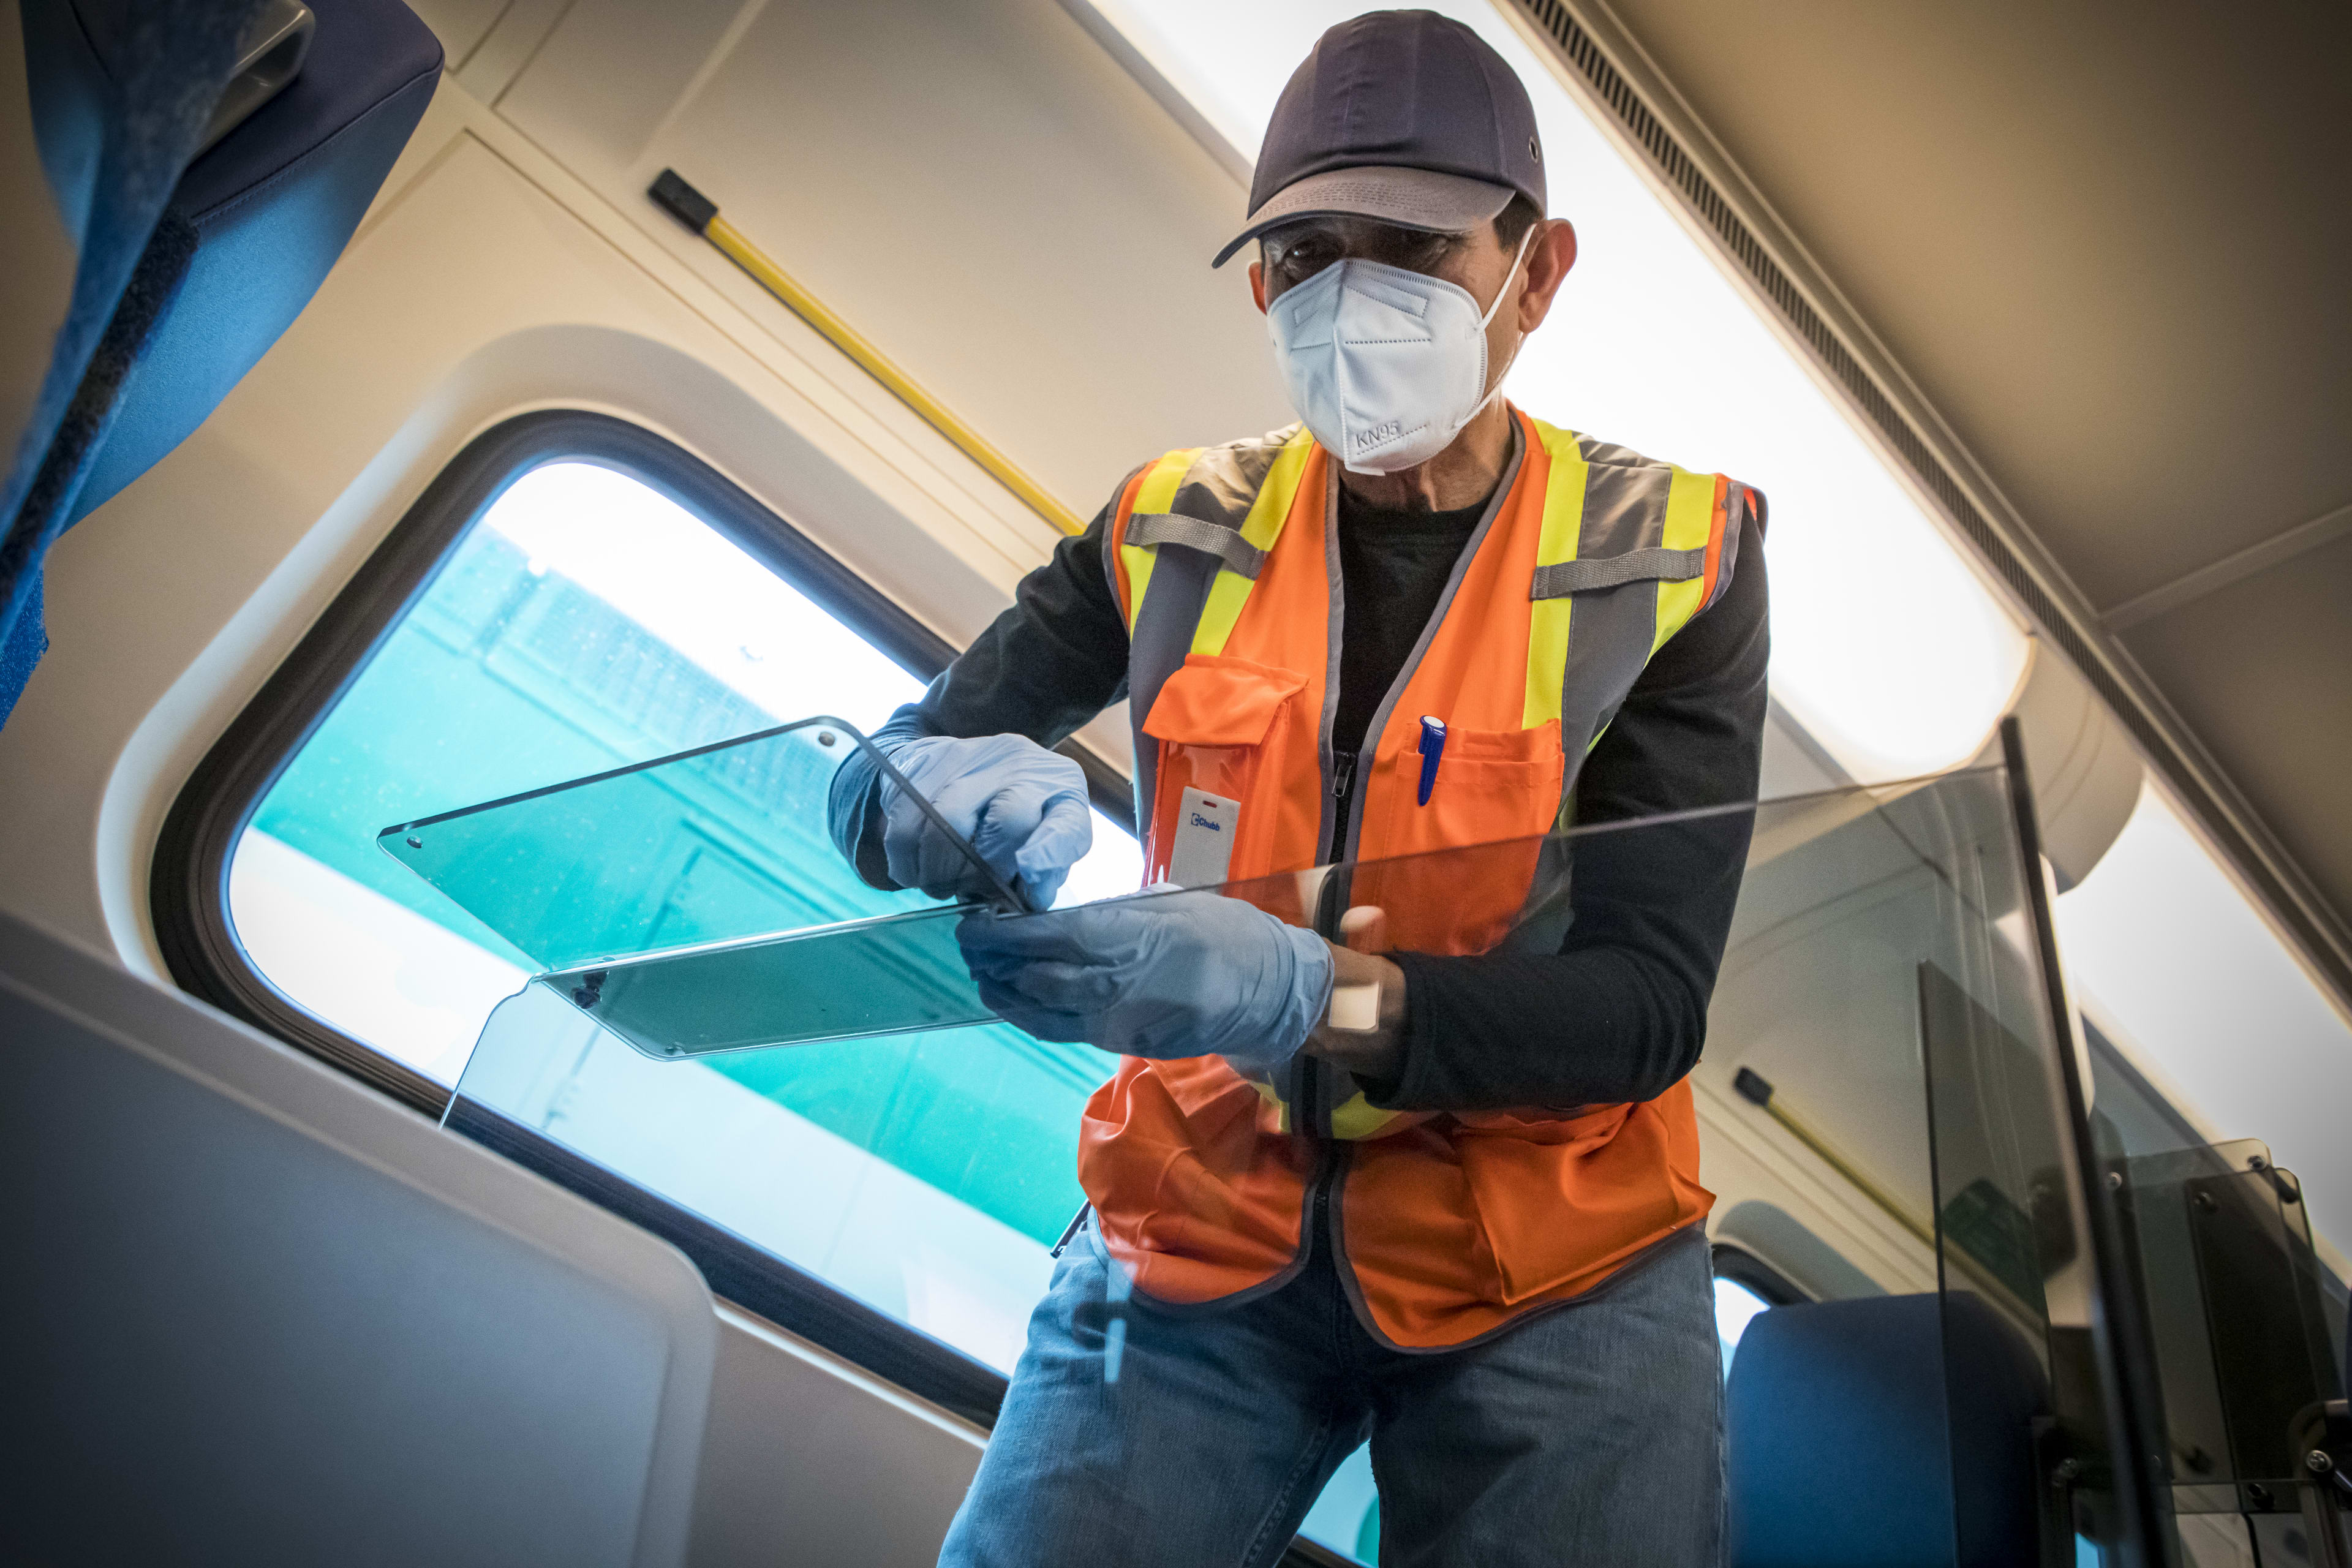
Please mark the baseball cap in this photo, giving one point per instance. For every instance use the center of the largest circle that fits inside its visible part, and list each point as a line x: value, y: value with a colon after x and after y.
x: 1407, y: 117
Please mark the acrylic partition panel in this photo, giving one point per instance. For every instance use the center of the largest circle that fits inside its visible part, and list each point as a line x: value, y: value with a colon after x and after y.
x: 1878, y: 1001
x: 924, y: 1166
x: 703, y: 847
x: 1883, y: 999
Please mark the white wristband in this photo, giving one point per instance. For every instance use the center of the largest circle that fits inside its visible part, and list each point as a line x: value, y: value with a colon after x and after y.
x: 1355, y: 1009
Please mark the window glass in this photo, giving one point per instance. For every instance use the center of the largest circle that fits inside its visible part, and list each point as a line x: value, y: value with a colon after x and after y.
x: 587, y: 622
x: 1347, y: 1516
x: 1736, y: 1306
x: 2168, y: 957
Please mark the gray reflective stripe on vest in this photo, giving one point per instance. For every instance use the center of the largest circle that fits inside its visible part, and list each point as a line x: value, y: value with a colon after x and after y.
x: 1563, y: 578
x: 1616, y: 624
x: 1221, y: 540
x: 1217, y: 492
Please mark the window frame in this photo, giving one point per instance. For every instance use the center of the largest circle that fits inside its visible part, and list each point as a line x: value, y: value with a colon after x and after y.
x: 1742, y: 1268
x: 189, y: 884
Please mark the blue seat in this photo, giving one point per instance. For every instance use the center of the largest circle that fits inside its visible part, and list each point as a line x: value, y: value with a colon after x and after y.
x: 1845, y: 1450
x: 271, y: 206
x: 186, y: 268
x: 102, y: 108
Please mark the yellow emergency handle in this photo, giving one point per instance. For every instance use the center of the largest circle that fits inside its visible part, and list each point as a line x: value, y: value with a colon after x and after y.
x: 698, y: 213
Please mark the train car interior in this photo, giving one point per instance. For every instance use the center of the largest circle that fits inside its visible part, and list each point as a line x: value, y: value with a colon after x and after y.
x: 481, y: 473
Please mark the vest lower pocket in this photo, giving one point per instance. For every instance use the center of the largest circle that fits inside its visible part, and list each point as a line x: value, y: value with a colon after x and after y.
x: 1562, y: 1201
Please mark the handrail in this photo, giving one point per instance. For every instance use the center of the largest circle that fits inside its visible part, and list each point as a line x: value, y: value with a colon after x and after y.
x: 698, y: 213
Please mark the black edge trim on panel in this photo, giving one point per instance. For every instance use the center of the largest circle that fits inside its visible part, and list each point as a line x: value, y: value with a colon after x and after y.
x: 752, y: 1278
x: 2121, y: 1341
x: 2316, y: 926
x: 188, y: 881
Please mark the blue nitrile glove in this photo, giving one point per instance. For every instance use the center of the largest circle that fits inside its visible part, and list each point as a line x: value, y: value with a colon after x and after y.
x: 1166, y: 976
x: 1025, y: 808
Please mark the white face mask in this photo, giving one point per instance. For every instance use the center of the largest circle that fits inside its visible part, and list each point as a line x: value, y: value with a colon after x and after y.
x: 1385, y: 366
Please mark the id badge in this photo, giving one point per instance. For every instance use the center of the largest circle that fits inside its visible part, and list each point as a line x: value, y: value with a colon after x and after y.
x: 1204, y: 846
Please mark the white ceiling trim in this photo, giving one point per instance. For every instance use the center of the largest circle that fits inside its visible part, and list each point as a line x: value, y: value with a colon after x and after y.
x: 2303, y: 538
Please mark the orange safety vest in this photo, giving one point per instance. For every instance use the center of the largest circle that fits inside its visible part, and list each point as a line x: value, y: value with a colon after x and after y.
x: 1225, y: 562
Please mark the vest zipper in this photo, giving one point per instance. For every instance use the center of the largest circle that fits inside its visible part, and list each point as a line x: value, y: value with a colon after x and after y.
x: 1343, y: 801
x: 1327, y: 1173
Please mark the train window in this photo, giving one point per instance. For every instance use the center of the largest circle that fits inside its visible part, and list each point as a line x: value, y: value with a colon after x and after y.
x: 1745, y: 1287
x: 581, y: 618
x: 1736, y: 1306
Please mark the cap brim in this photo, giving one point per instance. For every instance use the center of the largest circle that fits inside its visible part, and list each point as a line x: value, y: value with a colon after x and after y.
x: 1409, y: 198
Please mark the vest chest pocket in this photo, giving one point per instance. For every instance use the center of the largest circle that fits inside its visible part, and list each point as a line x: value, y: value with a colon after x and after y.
x: 1226, y: 727
x: 1495, y: 788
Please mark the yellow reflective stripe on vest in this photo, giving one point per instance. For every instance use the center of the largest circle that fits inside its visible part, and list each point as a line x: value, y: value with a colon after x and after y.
x: 1231, y: 590
x: 1690, y: 523
x: 1563, y: 519
x: 1156, y: 493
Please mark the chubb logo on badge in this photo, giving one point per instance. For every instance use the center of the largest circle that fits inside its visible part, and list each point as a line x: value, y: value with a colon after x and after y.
x: 1206, y: 824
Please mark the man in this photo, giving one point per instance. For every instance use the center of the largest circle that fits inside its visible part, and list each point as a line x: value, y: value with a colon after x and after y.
x: 1439, y: 1196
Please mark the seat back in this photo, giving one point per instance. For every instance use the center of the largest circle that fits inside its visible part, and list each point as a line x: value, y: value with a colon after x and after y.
x: 269, y: 207
x: 1849, y: 1448
x: 258, y: 1313
x: 116, y: 96
x: 151, y: 283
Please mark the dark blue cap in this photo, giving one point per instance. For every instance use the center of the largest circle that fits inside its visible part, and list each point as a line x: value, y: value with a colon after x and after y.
x: 1404, y: 116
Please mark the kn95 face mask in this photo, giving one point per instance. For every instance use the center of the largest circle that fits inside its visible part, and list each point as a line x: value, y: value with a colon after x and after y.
x: 1383, y: 364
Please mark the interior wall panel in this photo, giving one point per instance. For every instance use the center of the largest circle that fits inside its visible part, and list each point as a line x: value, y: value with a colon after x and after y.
x: 472, y: 295
x: 975, y: 186
x: 460, y: 25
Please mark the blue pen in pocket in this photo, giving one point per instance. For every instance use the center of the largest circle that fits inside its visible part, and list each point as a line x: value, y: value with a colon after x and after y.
x: 1432, y: 747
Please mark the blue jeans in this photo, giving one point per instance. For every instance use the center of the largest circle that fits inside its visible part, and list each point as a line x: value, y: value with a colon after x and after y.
x: 1155, y: 1436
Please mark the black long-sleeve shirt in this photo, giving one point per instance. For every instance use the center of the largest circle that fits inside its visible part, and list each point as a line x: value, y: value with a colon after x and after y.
x: 1620, y: 1013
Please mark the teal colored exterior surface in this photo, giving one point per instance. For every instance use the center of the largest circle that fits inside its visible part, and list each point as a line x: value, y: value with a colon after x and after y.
x: 504, y: 679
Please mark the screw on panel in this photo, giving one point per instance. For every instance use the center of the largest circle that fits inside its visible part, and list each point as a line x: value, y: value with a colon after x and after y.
x: 414, y: 842
x: 2318, y: 1462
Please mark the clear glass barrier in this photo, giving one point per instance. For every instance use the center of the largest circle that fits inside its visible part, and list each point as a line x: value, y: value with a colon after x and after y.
x: 702, y: 847
x: 923, y: 1159
x: 880, y: 977
x: 1878, y: 1023
x: 899, y: 973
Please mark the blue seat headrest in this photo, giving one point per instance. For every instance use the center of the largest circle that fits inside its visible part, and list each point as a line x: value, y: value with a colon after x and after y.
x: 1850, y: 1448
x: 272, y: 205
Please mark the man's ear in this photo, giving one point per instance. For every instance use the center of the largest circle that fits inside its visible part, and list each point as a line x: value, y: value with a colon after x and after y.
x: 1550, y: 256
x: 1257, y: 285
